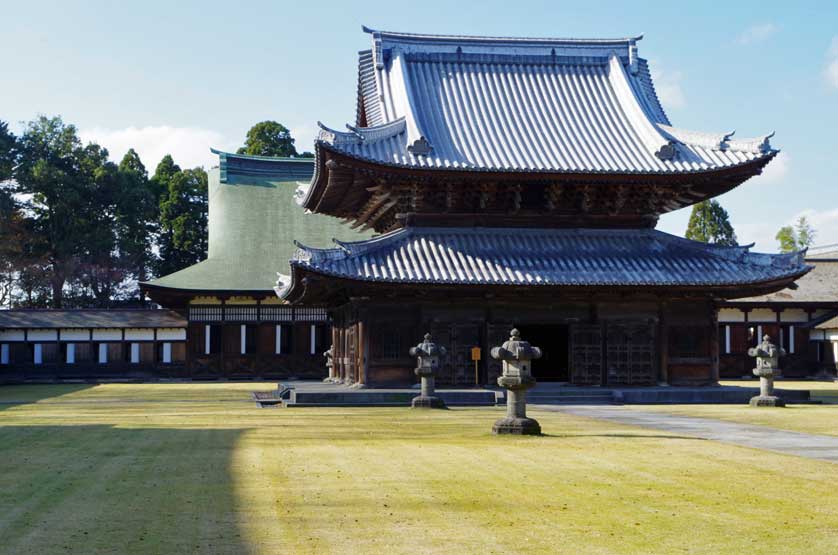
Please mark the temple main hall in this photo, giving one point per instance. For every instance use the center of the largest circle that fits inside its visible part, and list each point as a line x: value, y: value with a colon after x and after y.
x: 518, y: 182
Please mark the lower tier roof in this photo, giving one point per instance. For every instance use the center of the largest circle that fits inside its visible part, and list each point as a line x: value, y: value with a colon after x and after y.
x: 541, y: 257
x: 90, y: 318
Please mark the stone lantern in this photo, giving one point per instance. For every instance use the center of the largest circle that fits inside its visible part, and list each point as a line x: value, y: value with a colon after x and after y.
x: 768, y: 367
x: 516, y: 356
x: 330, y: 365
x: 427, y: 355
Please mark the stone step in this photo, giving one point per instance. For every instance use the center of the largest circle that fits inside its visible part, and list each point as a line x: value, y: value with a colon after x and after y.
x: 570, y: 399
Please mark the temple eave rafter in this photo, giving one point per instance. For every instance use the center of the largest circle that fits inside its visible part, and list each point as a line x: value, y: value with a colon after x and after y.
x: 380, y: 197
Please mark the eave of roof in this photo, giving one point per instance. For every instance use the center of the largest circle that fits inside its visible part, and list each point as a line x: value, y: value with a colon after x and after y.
x: 90, y: 318
x: 544, y: 258
x: 233, y: 165
x: 817, y: 288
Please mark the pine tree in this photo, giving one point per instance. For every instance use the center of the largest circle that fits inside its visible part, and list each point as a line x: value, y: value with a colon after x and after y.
x: 183, y: 221
x: 710, y: 223
x: 796, y: 238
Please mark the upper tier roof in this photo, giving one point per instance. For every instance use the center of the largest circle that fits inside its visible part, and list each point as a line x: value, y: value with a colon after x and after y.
x: 522, y: 105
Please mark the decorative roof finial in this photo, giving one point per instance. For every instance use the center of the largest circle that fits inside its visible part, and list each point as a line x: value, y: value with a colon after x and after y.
x: 667, y: 152
x: 765, y: 145
x: 725, y: 142
x: 420, y: 147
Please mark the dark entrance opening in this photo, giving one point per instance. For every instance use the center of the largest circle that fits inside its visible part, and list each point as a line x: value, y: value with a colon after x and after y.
x: 553, y: 340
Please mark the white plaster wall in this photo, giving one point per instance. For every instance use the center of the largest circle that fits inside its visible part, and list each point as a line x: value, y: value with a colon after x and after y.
x: 75, y: 335
x: 139, y: 335
x: 12, y: 335
x: 794, y: 315
x: 731, y: 315
x: 762, y: 315
x: 43, y: 335
x: 107, y: 335
x: 171, y: 334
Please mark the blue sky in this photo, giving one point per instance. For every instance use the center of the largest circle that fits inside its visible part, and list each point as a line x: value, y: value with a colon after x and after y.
x: 182, y: 76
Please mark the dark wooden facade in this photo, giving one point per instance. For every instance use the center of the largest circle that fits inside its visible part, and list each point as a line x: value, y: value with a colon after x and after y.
x: 595, y: 341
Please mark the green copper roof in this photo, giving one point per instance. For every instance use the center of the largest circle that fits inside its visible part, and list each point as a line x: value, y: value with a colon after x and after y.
x: 253, y: 222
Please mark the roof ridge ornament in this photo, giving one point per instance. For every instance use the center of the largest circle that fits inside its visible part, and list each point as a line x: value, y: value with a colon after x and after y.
x: 765, y: 145
x: 420, y: 147
x: 668, y: 151
x: 724, y: 144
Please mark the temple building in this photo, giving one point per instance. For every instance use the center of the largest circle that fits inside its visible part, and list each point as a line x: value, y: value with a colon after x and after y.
x: 518, y: 182
x: 237, y: 327
x: 803, y: 319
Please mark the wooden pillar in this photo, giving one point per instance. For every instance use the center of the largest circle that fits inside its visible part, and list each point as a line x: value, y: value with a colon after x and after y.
x: 363, y: 345
x: 337, y: 348
x: 714, y: 343
x: 333, y: 371
x: 663, y: 344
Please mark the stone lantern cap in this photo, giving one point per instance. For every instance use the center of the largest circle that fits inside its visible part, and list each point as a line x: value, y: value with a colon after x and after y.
x: 767, y: 357
x: 427, y: 348
x: 515, y: 349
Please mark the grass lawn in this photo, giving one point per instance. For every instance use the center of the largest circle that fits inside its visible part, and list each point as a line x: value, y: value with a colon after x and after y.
x: 823, y: 391
x: 195, y: 468
x: 813, y: 419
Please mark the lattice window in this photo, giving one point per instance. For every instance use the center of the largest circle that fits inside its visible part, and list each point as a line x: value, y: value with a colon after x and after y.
x: 310, y: 314
x: 213, y: 313
x: 277, y: 313
x: 234, y: 313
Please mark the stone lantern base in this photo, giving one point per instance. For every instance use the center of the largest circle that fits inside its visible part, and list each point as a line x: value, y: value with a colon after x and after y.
x: 517, y: 426
x: 516, y: 421
x: 427, y: 402
x: 767, y: 401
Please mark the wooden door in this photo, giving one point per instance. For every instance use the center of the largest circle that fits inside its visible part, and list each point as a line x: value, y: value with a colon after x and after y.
x: 630, y: 349
x: 586, y: 354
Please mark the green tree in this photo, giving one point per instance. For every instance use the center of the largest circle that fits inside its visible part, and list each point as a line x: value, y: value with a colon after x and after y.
x: 163, y: 174
x: 137, y: 216
x: 49, y: 175
x: 183, y: 221
x: 269, y: 138
x: 797, y: 237
x: 8, y: 152
x: 71, y: 199
x: 710, y: 223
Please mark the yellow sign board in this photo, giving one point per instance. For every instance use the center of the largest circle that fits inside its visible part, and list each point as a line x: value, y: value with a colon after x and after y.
x: 475, y: 353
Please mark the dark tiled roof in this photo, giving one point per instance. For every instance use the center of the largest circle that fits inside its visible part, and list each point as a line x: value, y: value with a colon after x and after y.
x: 567, y: 257
x: 818, y: 286
x: 91, y: 319
x: 534, y: 105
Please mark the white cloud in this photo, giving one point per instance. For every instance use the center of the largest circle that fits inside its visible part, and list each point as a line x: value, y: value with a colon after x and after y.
x: 668, y: 86
x: 189, y: 146
x: 304, y: 135
x: 824, y: 222
x: 756, y: 33
x: 776, y: 170
x: 830, y: 73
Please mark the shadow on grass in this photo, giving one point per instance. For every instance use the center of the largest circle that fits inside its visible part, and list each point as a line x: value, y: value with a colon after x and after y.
x: 22, y: 394
x: 100, y: 489
x: 627, y: 436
